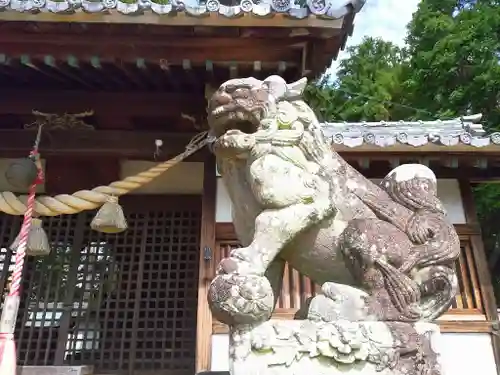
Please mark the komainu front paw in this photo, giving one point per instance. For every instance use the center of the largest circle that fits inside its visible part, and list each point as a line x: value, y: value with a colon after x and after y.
x: 236, y: 299
x: 235, y: 141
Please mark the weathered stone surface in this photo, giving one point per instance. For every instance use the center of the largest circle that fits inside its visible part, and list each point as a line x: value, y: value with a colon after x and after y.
x: 383, y: 253
x: 299, y: 347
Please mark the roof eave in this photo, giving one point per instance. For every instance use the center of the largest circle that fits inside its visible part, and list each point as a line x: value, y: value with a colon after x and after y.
x: 211, y: 13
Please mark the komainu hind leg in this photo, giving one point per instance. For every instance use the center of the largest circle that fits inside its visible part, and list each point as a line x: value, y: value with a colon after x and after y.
x: 373, y: 250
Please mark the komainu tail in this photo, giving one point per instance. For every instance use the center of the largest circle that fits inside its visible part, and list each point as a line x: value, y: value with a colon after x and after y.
x: 439, y: 286
x: 424, y: 298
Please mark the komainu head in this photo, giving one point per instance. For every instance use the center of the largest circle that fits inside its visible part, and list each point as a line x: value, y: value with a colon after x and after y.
x: 243, y: 103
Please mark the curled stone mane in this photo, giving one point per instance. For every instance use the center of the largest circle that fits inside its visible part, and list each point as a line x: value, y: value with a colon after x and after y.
x: 312, y: 143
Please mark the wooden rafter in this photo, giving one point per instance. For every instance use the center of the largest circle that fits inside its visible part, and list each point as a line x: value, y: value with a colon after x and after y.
x: 21, y: 102
x: 175, y: 50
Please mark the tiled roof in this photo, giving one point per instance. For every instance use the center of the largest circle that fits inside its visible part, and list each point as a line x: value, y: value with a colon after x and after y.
x: 465, y: 130
x: 328, y: 9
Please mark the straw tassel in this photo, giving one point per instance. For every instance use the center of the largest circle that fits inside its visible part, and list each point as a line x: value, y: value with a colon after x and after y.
x: 110, y: 218
x: 38, y: 242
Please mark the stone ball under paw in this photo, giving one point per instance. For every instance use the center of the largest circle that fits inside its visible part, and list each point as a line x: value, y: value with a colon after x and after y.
x: 241, y: 299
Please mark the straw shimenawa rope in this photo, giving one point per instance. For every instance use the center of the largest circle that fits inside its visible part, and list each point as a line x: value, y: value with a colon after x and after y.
x: 91, y: 199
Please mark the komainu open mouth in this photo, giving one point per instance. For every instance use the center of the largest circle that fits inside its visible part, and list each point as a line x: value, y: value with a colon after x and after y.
x: 231, y: 116
x: 222, y: 121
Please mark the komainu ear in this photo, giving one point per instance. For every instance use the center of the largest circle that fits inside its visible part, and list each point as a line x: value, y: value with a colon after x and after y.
x: 276, y: 85
x: 296, y: 89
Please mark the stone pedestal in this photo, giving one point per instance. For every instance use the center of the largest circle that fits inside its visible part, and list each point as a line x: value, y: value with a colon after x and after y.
x: 302, y: 347
x: 55, y: 370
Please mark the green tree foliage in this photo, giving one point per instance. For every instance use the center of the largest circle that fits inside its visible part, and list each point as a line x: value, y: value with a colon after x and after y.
x: 454, y: 69
x: 449, y: 68
x: 454, y: 49
x: 366, y: 86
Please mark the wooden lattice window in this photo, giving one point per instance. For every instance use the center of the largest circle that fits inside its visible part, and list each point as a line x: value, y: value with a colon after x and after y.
x: 123, y: 303
x: 469, y: 293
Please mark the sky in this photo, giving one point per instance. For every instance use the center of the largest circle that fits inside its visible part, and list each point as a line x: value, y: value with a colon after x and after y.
x: 386, y: 19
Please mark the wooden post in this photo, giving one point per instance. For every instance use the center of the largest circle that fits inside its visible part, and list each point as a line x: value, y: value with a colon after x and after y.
x: 207, y: 247
x: 483, y: 271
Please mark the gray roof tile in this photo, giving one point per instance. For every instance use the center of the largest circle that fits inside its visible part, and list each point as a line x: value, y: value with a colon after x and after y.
x: 465, y: 130
x: 328, y: 9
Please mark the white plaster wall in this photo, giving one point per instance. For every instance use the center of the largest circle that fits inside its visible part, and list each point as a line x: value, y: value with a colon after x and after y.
x: 448, y: 192
x: 467, y: 353
x: 461, y: 353
x: 223, y: 205
x: 220, y: 353
x: 183, y: 178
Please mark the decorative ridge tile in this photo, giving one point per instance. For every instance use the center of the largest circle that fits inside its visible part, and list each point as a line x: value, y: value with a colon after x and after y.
x: 464, y: 130
x: 299, y: 9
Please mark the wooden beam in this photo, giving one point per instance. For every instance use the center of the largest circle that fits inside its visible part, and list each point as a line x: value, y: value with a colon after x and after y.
x: 21, y: 102
x: 225, y: 231
x: 181, y: 19
x: 174, y: 50
x: 65, y: 174
x: 97, y: 143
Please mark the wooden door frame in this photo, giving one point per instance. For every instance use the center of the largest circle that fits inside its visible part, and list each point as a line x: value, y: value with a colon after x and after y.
x: 483, y: 271
x: 207, y: 247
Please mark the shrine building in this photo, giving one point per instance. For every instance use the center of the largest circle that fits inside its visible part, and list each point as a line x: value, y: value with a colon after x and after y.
x: 121, y: 86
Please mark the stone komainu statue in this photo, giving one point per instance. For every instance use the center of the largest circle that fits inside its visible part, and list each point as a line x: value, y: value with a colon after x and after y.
x: 384, y: 254
x: 388, y: 246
